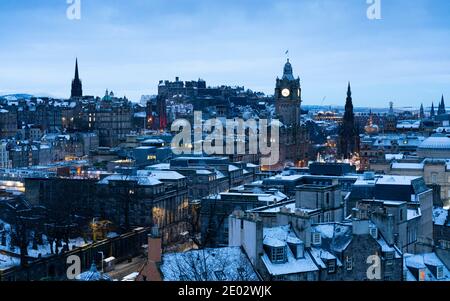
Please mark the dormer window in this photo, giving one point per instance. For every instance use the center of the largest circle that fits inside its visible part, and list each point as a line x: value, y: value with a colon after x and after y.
x: 297, y: 247
x: 278, y: 254
x: 349, y: 263
x: 220, y: 275
x: 331, y: 264
x: 316, y: 239
x: 389, y: 255
x: 439, y: 272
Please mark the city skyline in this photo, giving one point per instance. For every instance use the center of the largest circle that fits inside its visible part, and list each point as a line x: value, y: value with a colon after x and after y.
x: 329, y: 44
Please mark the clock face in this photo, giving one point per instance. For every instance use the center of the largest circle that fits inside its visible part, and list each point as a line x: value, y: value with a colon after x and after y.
x: 286, y: 92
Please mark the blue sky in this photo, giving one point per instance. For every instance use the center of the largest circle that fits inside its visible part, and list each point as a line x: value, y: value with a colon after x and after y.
x: 127, y: 46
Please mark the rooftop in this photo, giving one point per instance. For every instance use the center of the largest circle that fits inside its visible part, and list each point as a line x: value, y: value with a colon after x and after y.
x: 442, y: 143
x: 141, y: 180
x: 219, y: 264
x: 440, y: 216
x: 428, y: 263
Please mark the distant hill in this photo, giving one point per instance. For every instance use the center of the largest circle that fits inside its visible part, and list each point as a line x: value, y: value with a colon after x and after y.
x: 16, y: 96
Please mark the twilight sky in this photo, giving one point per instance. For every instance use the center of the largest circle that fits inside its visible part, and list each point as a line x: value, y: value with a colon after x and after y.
x: 128, y: 46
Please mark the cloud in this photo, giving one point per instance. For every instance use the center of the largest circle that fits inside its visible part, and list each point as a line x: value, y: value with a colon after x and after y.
x: 128, y: 46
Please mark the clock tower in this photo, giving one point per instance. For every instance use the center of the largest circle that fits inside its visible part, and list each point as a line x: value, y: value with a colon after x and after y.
x: 288, y: 97
x: 294, y: 144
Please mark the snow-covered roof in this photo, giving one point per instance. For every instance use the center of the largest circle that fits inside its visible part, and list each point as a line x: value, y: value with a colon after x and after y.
x: 427, y: 263
x: 279, y: 237
x: 262, y: 197
x: 439, y: 216
x: 409, y: 124
x: 251, y: 165
x: 161, y: 166
x: 335, y: 236
x: 396, y: 180
x: 161, y: 174
x: 141, y: 180
x: 436, y: 143
x: 390, y: 157
x: 203, y: 172
x: 275, y: 209
x: 292, y: 266
x: 153, y: 141
x: 418, y: 166
x: 93, y: 275
x: 232, y: 168
x: 320, y: 255
x: 219, y: 264
x: 219, y: 175
x: 286, y: 177
x: 384, y: 245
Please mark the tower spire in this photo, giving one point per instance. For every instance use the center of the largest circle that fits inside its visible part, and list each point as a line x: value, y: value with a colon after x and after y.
x: 77, y: 87
x: 77, y: 76
x: 348, y: 134
x: 421, y: 112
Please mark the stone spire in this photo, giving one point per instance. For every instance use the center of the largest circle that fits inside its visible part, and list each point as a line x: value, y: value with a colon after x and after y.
x: 349, y: 139
x: 77, y: 87
x: 442, y: 110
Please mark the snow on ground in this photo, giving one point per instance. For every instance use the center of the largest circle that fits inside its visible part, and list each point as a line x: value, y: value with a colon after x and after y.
x: 42, y: 250
x: 8, y: 261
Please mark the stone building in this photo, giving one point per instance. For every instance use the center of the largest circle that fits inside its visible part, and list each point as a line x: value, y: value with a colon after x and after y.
x: 296, y: 250
x: 435, y: 147
x: 397, y: 221
x: 25, y: 154
x: 326, y: 200
x: 4, y: 155
x: 391, y: 189
x: 375, y: 150
x: 65, y: 196
x: 294, y: 138
x: 215, y: 210
x: 111, y: 117
x: 159, y: 199
x: 441, y: 226
x: 8, y: 123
